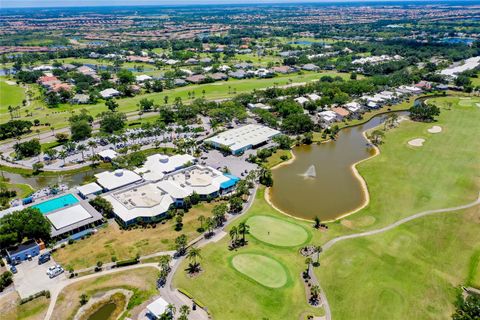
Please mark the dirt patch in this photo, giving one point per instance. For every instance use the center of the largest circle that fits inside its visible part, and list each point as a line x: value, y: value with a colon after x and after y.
x: 11, y: 83
x: 141, y: 280
x: 416, y: 142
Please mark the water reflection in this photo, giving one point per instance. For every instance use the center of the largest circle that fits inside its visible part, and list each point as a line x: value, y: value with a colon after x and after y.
x: 335, y: 190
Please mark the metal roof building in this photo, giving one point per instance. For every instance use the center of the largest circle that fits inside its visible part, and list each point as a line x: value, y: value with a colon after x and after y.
x: 243, y: 138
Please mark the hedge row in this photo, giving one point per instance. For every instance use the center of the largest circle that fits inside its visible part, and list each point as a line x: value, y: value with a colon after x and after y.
x: 198, y: 303
x: 45, y: 293
x: 127, y: 262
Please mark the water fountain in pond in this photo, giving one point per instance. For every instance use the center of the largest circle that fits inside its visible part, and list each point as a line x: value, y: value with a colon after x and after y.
x: 311, y: 172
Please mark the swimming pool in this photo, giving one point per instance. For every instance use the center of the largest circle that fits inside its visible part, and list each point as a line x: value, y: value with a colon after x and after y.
x: 57, y: 203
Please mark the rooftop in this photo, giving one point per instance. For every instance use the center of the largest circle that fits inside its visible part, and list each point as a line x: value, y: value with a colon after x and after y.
x: 112, y: 180
x: 239, y: 138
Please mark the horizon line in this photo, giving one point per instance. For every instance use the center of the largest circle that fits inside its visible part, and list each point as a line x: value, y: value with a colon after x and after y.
x: 191, y: 3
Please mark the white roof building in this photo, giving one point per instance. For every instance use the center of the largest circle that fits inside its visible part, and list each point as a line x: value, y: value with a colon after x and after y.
x: 313, y: 97
x: 158, y: 307
x: 89, y: 189
x: 259, y: 106
x: 328, y: 116
x: 66, y: 217
x: 119, y: 178
x: 108, y: 154
x: 243, y: 138
x: 200, y: 179
x: 157, y: 165
x: 353, y: 106
x: 148, y: 200
x: 301, y: 100
x: 109, y: 93
x: 142, y: 78
x: 153, y: 199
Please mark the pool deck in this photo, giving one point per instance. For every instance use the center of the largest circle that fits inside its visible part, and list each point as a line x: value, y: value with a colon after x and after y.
x: 95, y: 216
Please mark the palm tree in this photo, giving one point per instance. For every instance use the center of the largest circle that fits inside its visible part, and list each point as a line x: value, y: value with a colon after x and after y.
x: 376, y: 137
x: 164, y: 262
x: 317, y: 250
x: 234, y: 234
x: 82, y: 148
x: 92, y: 144
x: 201, y: 219
x: 171, y: 309
x: 209, y: 224
x: 308, y: 262
x: 10, y: 110
x: 193, y: 254
x: 184, y: 312
x: 243, y: 229
x: 62, y: 155
x: 315, y: 292
x: 51, y: 153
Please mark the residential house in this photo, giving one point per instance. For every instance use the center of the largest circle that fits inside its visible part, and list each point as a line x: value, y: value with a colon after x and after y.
x: 80, y: 99
x: 142, y: 78
x: 218, y: 76
x: 341, y: 112
x: 109, y: 93
x: 301, y: 100
x: 239, y: 74
x: 198, y: 78
x: 327, y: 117
x: 310, y: 67
x: 283, y: 69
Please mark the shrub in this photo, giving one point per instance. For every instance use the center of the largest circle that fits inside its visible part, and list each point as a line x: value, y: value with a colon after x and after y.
x: 128, y: 262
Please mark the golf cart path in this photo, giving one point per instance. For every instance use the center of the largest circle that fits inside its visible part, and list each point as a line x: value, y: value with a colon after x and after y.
x: 168, y: 292
x: 333, y: 241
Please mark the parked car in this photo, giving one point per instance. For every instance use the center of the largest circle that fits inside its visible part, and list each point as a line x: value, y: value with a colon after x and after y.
x: 13, y: 269
x: 44, y: 258
x: 55, y: 272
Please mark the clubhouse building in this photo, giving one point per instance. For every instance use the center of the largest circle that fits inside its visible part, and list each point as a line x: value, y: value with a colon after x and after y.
x: 240, y: 139
x: 165, y: 184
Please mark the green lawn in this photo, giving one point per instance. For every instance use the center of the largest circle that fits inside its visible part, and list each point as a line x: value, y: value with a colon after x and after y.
x: 10, y: 95
x: 245, y: 294
x: 409, y: 273
x: 260, y: 268
x: 277, y: 232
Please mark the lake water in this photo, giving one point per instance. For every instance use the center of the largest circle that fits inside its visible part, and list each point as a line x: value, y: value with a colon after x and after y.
x: 39, y: 182
x: 334, y: 189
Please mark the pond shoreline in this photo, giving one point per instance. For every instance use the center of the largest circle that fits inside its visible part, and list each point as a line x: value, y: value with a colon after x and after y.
x: 365, y: 195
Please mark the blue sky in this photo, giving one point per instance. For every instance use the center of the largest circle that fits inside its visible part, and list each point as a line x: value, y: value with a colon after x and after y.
x: 76, y: 3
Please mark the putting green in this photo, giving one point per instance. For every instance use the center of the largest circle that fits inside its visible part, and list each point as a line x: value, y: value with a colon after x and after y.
x: 262, y: 269
x: 277, y: 232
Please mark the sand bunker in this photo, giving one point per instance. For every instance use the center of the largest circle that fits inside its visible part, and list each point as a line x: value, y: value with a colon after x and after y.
x: 11, y: 83
x: 435, y: 129
x: 416, y: 142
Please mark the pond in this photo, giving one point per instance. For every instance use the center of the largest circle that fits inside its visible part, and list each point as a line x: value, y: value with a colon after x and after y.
x: 320, y: 180
x: 39, y: 182
x: 104, y: 312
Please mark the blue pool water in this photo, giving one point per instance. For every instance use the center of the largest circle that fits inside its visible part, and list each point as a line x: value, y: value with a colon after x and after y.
x: 57, y: 203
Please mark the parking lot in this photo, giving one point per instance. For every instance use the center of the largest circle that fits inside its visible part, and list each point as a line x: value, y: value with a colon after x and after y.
x: 32, y: 277
x: 236, y: 165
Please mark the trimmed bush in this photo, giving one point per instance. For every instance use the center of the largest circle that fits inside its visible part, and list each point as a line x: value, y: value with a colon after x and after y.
x: 128, y: 262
